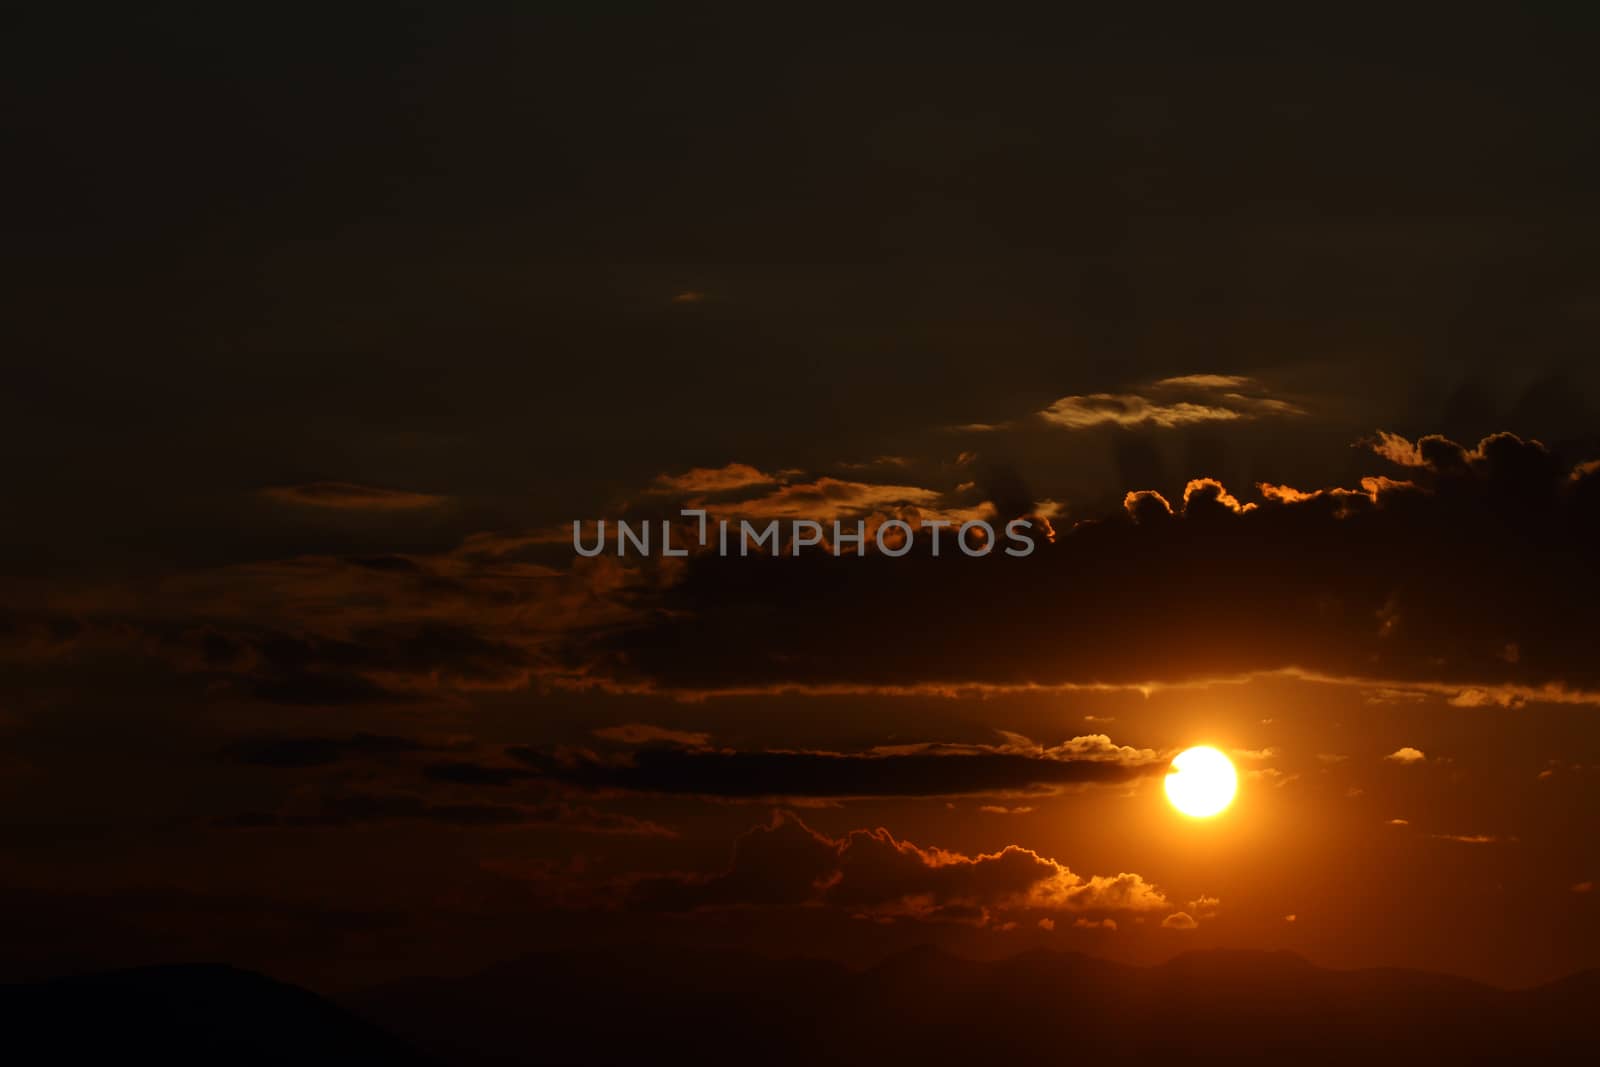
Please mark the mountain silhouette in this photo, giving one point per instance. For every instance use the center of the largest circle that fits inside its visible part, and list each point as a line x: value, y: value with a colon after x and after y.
x: 921, y: 1006
x: 925, y: 1006
x: 186, y: 1014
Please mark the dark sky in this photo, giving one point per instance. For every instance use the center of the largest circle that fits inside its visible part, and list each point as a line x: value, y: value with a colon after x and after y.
x: 323, y: 325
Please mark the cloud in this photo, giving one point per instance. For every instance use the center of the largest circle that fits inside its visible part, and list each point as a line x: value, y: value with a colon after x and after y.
x: 327, y: 631
x: 1583, y: 887
x: 706, y: 480
x: 1321, y: 585
x: 1397, y: 450
x: 1441, y: 455
x: 1278, y: 779
x: 638, y: 733
x: 871, y: 874
x: 1108, y: 923
x: 1406, y: 755
x: 347, y: 496
x: 1129, y: 409
x: 1016, y: 766
x: 1179, y: 920
x: 298, y: 752
x: 1204, y: 907
x: 1170, y: 402
x: 825, y: 499
x: 1471, y: 839
x: 1483, y: 698
x: 346, y: 809
x: 1206, y: 381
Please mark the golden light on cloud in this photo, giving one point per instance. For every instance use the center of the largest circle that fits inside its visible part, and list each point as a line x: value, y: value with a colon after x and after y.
x: 1202, y: 782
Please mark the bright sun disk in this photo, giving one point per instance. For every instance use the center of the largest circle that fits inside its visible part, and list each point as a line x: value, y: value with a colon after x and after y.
x: 1202, y: 782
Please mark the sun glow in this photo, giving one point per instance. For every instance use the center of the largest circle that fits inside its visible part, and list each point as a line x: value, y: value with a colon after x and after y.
x: 1202, y: 782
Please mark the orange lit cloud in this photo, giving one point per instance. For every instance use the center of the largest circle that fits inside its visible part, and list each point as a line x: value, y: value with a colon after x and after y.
x: 638, y: 733
x: 872, y: 874
x: 714, y: 479
x: 1170, y: 402
x: 1471, y: 839
x: 347, y: 496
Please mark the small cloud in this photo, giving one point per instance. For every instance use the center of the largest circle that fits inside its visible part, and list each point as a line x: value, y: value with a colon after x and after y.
x: 1396, y: 449
x: 639, y: 733
x: 713, y: 479
x: 1179, y: 920
x: 1583, y: 887
x: 1000, y: 809
x: 1181, y: 401
x: 1407, y: 755
x: 1471, y: 839
x: 1204, y: 907
x: 1290, y: 918
x: 347, y: 496
x: 1354, y: 791
x: 1330, y: 758
x: 1272, y: 776
x: 688, y: 296
x: 1391, y: 695
x: 875, y: 461
x: 1546, y: 774
x: 1099, y: 718
x: 1094, y: 924
x: 1047, y: 924
x: 1398, y: 822
x: 1254, y: 753
x: 1205, y: 381
x: 1484, y: 698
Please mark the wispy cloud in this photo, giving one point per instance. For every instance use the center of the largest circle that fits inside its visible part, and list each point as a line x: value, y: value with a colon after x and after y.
x: 1167, y: 403
x: 347, y: 496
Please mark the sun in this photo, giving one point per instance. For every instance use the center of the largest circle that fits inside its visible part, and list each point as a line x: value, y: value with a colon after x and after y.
x: 1202, y: 782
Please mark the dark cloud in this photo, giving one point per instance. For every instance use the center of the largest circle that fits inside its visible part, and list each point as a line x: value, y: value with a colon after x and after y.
x: 871, y: 873
x: 294, y: 752
x: 1019, y: 766
x: 639, y: 733
x: 344, y: 496
x: 463, y: 773
x: 388, y: 663
x: 346, y: 809
x: 1322, y: 581
x: 1328, y: 582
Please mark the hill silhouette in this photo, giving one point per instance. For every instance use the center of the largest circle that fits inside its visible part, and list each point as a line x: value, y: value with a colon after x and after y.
x: 922, y: 1006
x: 926, y: 1006
x: 186, y: 1014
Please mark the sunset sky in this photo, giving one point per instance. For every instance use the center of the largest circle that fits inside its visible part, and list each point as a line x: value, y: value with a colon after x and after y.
x: 322, y: 331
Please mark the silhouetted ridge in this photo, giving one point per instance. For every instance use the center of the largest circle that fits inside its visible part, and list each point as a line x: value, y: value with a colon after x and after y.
x: 925, y: 1006
x: 187, y: 1014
